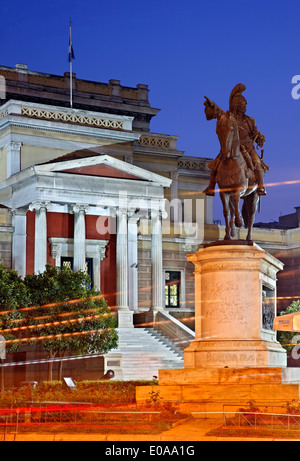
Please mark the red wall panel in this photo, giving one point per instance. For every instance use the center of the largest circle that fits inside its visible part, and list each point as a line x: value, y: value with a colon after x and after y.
x: 62, y: 225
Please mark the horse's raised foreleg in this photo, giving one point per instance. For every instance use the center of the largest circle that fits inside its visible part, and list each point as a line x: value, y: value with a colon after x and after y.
x: 225, y: 202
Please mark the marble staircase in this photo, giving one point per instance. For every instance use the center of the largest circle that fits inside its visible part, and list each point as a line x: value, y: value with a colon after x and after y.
x: 145, y: 351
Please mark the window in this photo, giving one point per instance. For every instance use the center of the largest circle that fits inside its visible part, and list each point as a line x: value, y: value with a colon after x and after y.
x: 172, y: 289
x: 68, y: 262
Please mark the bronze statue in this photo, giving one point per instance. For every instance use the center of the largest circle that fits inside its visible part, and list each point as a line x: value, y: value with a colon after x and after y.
x: 238, y: 170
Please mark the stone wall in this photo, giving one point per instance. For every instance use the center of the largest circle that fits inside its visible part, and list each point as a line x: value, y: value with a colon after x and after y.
x: 173, y: 259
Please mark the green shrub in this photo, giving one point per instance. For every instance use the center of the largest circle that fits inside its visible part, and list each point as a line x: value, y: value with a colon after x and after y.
x: 100, y: 391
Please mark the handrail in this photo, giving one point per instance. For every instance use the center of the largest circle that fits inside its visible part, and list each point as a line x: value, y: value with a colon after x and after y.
x: 177, y: 323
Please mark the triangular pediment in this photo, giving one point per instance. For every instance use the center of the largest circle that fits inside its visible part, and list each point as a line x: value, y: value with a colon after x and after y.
x: 102, y: 170
x: 104, y: 166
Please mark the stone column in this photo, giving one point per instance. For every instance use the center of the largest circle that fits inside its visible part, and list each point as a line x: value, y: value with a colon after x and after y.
x: 156, y: 259
x: 40, y: 234
x: 19, y: 241
x: 125, y: 316
x: 133, y: 263
x: 79, y: 237
x: 13, y: 156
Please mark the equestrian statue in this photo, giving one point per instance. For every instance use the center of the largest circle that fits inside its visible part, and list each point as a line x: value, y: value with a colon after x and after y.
x: 238, y: 169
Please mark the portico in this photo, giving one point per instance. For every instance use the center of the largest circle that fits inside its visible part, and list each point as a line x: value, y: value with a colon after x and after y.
x: 96, y: 204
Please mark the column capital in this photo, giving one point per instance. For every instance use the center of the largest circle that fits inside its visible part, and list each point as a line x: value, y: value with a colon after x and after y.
x: 79, y: 207
x: 38, y: 205
x: 122, y: 212
x: 15, y: 145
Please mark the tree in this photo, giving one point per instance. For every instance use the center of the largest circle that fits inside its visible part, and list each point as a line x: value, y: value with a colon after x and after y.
x: 13, y: 290
x: 57, y: 284
x: 82, y: 327
x: 13, y: 294
x: 286, y: 337
x: 64, y: 315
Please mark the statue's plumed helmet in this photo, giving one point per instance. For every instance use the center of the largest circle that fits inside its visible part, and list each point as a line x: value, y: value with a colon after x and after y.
x: 236, y: 95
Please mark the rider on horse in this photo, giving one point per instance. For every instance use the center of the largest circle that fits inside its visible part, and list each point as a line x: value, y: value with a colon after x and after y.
x: 248, y: 134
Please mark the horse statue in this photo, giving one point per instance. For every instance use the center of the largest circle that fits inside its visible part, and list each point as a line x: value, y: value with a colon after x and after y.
x: 235, y: 179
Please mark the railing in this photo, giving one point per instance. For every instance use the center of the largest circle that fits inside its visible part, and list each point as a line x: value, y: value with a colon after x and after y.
x: 79, y: 416
x: 172, y: 328
x: 237, y: 420
x: 266, y: 420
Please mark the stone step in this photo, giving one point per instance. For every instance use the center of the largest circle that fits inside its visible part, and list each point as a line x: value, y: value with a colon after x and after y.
x: 144, y: 353
x: 174, y: 344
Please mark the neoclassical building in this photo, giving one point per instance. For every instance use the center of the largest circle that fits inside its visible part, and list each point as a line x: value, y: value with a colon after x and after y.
x: 93, y: 188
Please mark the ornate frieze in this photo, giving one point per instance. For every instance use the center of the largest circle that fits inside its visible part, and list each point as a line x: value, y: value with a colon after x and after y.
x: 80, y: 119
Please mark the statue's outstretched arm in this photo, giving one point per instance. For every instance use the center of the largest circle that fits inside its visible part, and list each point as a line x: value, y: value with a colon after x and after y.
x: 211, y: 109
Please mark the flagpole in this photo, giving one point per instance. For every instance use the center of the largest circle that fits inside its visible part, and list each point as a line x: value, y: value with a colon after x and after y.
x: 71, y: 72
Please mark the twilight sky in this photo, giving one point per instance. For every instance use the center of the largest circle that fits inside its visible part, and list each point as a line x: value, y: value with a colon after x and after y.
x: 182, y: 49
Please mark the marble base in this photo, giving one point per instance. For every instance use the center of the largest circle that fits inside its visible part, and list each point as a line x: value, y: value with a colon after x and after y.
x: 125, y: 319
x: 234, y: 353
x: 235, y: 303
x: 235, y: 356
x: 216, y: 390
x: 113, y: 361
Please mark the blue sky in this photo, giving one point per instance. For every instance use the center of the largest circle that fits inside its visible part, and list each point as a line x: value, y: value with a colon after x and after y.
x: 183, y: 50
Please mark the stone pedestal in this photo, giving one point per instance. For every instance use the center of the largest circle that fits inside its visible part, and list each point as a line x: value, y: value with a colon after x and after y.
x: 235, y: 356
x: 125, y: 318
x: 113, y: 361
x: 235, y: 293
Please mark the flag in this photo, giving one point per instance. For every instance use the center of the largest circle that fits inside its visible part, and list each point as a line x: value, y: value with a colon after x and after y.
x: 71, y: 51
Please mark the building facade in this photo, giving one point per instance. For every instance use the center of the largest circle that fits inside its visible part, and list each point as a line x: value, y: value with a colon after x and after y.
x: 90, y: 186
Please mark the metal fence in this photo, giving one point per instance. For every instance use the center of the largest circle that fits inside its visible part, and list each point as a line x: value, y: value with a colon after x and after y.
x: 261, y: 420
x: 244, y: 419
x: 71, y: 417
